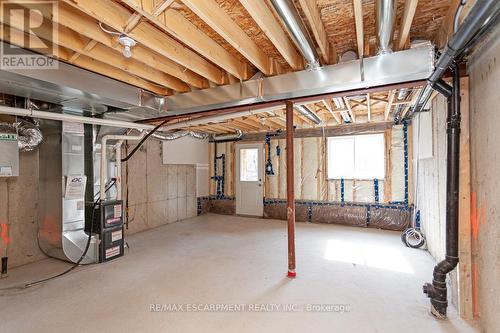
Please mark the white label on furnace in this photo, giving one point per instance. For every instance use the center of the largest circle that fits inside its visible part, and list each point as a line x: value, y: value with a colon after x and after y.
x: 75, y: 187
x: 118, y: 211
x: 113, y: 251
x: 116, y: 235
x: 76, y: 148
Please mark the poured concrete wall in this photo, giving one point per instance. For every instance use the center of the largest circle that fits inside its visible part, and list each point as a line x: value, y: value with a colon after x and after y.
x: 18, y: 210
x: 484, y: 71
x: 157, y: 193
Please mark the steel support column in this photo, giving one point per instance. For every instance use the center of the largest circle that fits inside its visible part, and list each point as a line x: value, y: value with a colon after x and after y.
x: 290, y: 189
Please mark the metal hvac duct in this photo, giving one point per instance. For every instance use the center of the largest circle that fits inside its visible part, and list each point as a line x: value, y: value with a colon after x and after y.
x: 397, y: 67
x: 303, y: 110
x: 77, y: 88
x: 290, y: 17
x: 386, y: 15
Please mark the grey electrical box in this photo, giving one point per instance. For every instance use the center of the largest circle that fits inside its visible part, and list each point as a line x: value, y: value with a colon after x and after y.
x: 9, y: 155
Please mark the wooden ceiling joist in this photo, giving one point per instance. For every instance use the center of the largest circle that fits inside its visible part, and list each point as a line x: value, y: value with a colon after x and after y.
x: 17, y: 37
x: 213, y: 15
x: 349, y: 109
x: 86, y: 26
x: 406, y: 21
x: 132, y: 22
x: 313, y: 15
x: 265, y: 19
x: 329, y: 106
x: 175, y: 24
x: 77, y: 43
x: 116, y: 16
x: 162, y: 6
x: 358, y: 19
x: 388, y: 107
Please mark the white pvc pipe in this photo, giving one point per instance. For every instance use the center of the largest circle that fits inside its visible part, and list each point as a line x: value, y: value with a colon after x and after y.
x: 118, y: 166
x: 104, y: 165
x: 7, y: 110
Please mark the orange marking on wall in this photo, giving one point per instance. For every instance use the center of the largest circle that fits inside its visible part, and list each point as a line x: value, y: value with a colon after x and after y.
x: 474, y: 218
x: 477, y: 217
x: 4, y: 235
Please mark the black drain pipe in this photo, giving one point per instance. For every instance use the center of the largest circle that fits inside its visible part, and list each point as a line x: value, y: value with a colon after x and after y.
x: 477, y: 18
x: 437, y: 291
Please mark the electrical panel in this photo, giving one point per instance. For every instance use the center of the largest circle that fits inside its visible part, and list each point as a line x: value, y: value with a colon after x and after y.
x: 9, y: 155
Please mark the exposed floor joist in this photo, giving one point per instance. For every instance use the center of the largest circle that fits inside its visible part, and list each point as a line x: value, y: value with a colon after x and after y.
x: 173, y: 23
x: 358, y: 18
x: 406, y: 21
x: 263, y: 16
x: 19, y: 38
x: 116, y: 16
x: 213, y: 15
x: 313, y: 15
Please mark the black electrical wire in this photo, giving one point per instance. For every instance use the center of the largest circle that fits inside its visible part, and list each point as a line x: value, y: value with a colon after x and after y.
x: 87, y: 246
x: 125, y: 159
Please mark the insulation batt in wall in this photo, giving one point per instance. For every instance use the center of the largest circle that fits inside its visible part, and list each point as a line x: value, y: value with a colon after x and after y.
x: 321, y: 197
x: 156, y: 193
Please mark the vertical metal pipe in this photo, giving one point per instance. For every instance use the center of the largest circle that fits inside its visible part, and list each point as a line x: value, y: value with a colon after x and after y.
x: 103, y: 169
x: 290, y: 17
x: 386, y: 15
x: 118, y: 158
x: 290, y: 189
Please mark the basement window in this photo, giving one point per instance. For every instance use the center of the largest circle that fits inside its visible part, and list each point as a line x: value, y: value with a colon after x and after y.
x: 356, y: 157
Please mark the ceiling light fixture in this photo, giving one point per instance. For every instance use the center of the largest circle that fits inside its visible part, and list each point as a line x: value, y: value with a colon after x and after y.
x: 127, y: 43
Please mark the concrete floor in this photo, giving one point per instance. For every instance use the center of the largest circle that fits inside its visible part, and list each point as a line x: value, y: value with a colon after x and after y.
x: 234, y: 260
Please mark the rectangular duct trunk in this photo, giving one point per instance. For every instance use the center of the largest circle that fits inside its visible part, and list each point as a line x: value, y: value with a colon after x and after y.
x: 398, y: 67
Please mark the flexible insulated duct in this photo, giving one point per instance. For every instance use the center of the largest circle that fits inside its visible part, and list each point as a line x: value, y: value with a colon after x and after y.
x: 29, y: 136
x: 164, y: 136
x: 228, y: 137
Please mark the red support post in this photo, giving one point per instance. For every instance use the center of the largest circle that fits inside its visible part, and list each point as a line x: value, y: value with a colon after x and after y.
x: 290, y: 190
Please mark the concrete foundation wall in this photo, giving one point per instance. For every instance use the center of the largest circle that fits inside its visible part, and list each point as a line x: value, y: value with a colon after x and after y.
x: 484, y: 70
x: 156, y: 193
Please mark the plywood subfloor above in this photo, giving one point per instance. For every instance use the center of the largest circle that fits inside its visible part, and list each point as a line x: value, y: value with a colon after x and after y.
x: 195, y: 44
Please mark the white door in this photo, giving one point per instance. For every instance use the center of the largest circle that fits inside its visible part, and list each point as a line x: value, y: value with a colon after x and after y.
x: 249, y: 176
